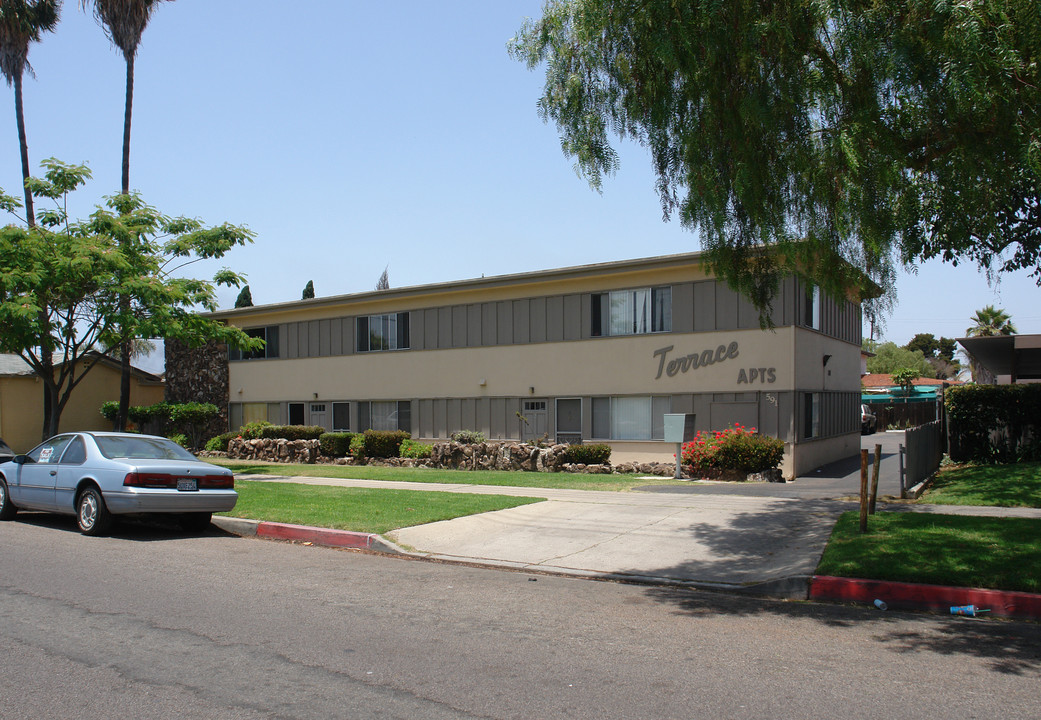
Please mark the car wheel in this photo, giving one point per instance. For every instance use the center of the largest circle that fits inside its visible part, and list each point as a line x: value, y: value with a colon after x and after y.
x: 196, y: 521
x: 7, y: 508
x: 92, y: 516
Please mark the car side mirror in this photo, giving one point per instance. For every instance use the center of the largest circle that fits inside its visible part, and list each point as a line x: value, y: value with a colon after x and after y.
x: 21, y: 459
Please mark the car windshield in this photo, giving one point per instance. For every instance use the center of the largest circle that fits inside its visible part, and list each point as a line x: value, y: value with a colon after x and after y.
x: 140, y: 448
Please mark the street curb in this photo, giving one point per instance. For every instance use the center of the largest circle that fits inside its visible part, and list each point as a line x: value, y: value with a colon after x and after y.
x: 935, y: 598
x: 303, y: 533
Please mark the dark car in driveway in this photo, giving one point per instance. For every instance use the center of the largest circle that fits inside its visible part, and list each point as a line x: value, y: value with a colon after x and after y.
x: 868, y: 421
x: 97, y: 475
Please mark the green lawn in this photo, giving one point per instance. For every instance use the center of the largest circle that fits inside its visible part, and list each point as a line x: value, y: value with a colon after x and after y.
x: 1017, y: 485
x: 567, y: 481
x: 359, y: 509
x: 964, y: 551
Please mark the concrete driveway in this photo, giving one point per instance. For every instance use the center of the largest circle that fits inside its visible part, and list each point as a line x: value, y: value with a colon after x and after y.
x: 764, y: 538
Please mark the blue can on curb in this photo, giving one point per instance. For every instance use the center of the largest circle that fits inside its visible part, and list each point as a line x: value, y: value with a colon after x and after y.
x: 967, y: 610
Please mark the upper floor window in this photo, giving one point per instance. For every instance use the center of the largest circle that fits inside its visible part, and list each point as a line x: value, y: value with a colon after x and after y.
x: 812, y: 308
x: 632, y: 312
x: 383, y: 332
x: 268, y: 334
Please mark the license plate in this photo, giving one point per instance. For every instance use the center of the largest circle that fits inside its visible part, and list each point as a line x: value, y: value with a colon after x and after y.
x: 187, y: 484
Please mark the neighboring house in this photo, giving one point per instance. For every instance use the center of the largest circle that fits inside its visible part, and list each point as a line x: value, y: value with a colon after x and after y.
x: 880, y: 388
x: 596, y: 353
x: 21, y: 399
x: 1008, y: 359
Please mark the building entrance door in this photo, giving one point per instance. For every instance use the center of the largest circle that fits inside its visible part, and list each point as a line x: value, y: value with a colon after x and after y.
x: 534, y: 424
x: 569, y: 420
x: 318, y: 414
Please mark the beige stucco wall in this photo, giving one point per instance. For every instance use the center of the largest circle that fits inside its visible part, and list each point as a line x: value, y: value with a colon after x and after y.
x: 615, y: 366
x: 21, y: 405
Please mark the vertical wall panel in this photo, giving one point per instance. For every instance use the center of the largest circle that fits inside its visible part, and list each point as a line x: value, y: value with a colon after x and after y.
x: 555, y: 318
x: 426, y: 419
x: 521, y: 322
x: 683, y: 308
x: 504, y: 322
x: 496, y: 419
x: 441, y: 418
x: 586, y: 319
x: 489, y: 324
x: 430, y: 329
x: 302, y: 340
x: 444, y: 327
x: 458, y: 326
x: 705, y: 306
x: 453, y: 418
x: 473, y: 325
x: 572, y: 317
x: 336, y: 336
x: 726, y: 307
x: 324, y: 337
x: 348, y: 327
x: 313, y: 336
x: 537, y: 320
x: 747, y: 315
x: 467, y: 414
x: 292, y: 351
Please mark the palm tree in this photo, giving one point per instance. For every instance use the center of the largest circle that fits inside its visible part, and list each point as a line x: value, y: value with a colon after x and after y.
x: 23, y: 22
x: 991, y: 321
x: 124, y: 21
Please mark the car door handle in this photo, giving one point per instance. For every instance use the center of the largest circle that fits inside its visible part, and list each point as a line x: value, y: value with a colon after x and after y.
x: 54, y: 472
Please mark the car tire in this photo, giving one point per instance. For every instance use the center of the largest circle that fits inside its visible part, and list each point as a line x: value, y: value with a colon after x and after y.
x: 196, y: 521
x: 7, y: 508
x: 92, y: 517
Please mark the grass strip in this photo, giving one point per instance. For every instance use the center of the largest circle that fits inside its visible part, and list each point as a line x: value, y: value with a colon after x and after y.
x: 964, y: 551
x: 359, y: 509
x: 505, y: 478
x: 1017, y: 485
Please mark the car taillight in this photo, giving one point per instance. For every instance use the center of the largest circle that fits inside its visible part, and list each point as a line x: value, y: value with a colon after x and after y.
x: 151, y: 480
x: 164, y: 480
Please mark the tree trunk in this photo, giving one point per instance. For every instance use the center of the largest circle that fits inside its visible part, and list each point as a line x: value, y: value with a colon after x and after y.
x: 23, y: 146
x: 124, y: 348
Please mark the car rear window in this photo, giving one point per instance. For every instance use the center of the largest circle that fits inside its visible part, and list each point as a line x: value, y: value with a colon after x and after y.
x: 142, y: 448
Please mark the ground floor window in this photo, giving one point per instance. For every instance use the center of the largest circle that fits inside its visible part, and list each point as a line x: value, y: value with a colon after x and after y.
x: 341, y: 417
x: 296, y: 413
x: 385, y: 415
x: 240, y: 414
x: 811, y: 415
x: 640, y: 417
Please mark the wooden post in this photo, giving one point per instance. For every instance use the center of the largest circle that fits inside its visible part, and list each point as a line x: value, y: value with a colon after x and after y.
x: 874, y: 478
x: 863, y: 491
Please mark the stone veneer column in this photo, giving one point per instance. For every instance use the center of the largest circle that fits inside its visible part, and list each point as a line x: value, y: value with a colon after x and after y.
x: 199, y: 374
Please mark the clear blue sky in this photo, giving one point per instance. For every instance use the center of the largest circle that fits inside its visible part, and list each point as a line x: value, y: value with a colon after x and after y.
x: 368, y: 135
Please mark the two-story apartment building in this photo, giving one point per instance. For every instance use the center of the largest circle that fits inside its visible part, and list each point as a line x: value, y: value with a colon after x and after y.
x: 596, y: 353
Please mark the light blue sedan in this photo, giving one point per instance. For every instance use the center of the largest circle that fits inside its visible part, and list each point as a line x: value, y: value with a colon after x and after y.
x: 97, y: 475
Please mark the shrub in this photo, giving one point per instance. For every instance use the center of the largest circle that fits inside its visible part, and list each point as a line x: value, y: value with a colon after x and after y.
x: 335, y: 444
x: 292, y: 432
x: 994, y: 423
x: 594, y: 454
x: 251, y: 431
x: 736, y: 448
x: 182, y: 440
x: 412, y: 449
x: 219, y: 443
x: 468, y: 437
x: 383, y: 443
x: 110, y: 410
x: 357, y: 446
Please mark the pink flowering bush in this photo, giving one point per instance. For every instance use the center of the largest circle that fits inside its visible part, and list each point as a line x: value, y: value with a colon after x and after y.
x: 736, y: 448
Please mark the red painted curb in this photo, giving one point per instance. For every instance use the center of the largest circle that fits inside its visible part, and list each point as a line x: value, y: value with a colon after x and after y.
x: 318, y: 536
x: 913, y: 596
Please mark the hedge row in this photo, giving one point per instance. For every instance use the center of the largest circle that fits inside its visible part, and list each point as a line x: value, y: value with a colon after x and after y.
x: 994, y: 423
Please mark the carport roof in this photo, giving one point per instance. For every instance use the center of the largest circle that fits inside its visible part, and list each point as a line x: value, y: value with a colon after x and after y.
x: 1017, y: 357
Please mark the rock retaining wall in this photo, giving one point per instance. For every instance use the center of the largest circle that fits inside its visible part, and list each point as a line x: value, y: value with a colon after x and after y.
x: 281, y: 450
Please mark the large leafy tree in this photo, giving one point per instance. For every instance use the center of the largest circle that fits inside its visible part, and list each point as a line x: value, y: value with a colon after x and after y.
x: 69, y: 287
x: 890, y: 357
x: 23, y: 22
x: 881, y: 132
x: 938, y: 353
